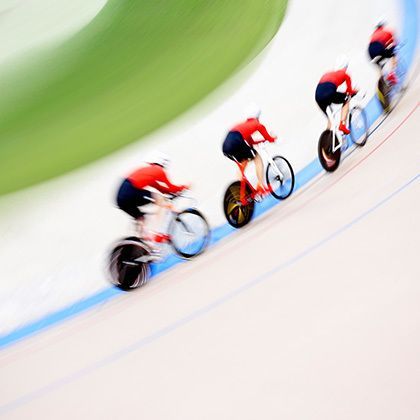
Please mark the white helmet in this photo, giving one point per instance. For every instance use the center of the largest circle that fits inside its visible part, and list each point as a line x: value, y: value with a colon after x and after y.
x: 380, y: 22
x: 342, y: 62
x: 159, y: 158
x: 253, y: 111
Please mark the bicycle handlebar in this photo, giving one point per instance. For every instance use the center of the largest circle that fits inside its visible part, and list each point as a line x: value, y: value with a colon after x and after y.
x: 181, y: 194
x: 264, y: 141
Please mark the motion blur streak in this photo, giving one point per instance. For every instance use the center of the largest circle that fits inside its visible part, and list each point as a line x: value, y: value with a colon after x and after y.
x: 218, y: 234
x: 145, y: 341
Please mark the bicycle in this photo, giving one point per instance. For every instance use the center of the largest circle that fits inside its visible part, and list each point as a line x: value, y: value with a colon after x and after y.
x: 188, y: 234
x: 240, y: 196
x: 385, y: 91
x: 330, y: 144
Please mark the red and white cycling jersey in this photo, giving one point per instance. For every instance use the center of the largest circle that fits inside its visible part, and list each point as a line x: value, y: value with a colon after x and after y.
x: 153, y: 176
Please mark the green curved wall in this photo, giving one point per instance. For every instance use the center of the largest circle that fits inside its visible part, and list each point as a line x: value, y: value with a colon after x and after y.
x: 136, y: 66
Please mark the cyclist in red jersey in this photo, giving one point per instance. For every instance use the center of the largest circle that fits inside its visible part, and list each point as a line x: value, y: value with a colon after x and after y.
x: 382, y: 47
x: 327, y: 92
x: 238, y: 145
x: 144, y: 186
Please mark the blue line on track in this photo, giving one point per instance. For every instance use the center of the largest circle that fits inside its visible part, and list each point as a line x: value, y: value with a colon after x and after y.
x: 145, y: 341
x: 409, y: 36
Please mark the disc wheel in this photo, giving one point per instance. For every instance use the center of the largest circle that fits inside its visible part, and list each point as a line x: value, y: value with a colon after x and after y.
x: 359, y: 130
x: 329, y: 159
x: 384, y: 94
x: 237, y: 214
x: 190, y: 233
x: 126, y: 272
x: 280, y: 178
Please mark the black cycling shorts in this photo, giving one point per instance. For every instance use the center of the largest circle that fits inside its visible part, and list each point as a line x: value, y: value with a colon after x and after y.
x: 236, y: 148
x: 326, y: 94
x: 377, y: 49
x: 130, y: 198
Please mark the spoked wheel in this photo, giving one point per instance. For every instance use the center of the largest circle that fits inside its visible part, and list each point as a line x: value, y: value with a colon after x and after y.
x: 384, y: 94
x: 190, y: 233
x: 127, y: 272
x: 359, y: 130
x: 237, y: 214
x: 280, y: 178
x: 329, y: 159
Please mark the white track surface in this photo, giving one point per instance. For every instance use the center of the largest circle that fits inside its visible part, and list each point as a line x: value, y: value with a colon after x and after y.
x: 66, y: 226
x: 259, y: 327
x: 311, y: 312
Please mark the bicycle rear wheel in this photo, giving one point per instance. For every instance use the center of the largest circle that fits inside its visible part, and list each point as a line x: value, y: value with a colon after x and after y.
x: 359, y: 130
x: 237, y: 214
x: 384, y: 94
x: 126, y: 272
x: 281, y: 178
x: 329, y: 159
x: 190, y: 233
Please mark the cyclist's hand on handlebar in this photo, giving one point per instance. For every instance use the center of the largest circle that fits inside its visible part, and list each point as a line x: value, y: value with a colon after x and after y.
x: 353, y: 92
x: 273, y: 139
x: 186, y: 187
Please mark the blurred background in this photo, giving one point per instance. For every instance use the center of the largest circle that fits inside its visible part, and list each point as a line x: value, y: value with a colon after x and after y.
x: 311, y: 310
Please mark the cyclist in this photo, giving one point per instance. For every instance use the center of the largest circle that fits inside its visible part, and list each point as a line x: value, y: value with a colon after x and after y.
x: 239, y: 142
x: 382, y: 47
x: 327, y: 92
x: 144, y: 186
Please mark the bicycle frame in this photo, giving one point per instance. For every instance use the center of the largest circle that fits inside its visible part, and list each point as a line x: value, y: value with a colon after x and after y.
x: 337, y: 141
x: 384, y: 62
x: 332, y: 112
x: 168, y: 217
x: 269, y: 158
x: 244, y: 180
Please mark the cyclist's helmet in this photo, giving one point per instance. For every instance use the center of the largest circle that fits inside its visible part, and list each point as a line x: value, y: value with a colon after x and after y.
x: 380, y: 23
x: 253, y: 111
x: 159, y: 158
x: 342, y: 62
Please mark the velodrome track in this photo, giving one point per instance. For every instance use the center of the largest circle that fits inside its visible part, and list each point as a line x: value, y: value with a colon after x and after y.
x: 67, y: 225
x: 310, y: 312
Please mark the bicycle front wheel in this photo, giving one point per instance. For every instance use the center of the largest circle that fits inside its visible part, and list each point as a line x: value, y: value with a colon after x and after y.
x: 359, y: 130
x: 238, y: 214
x: 190, y: 233
x: 280, y: 178
x: 329, y: 159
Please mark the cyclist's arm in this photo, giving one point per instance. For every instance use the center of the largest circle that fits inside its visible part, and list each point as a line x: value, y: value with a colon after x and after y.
x: 350, y: 89
x: 166, y: 186
x: 263, y: 131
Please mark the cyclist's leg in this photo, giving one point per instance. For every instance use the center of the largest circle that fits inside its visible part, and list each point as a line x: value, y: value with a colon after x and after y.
x: 376, y: 52
x: 390, y: 54
x: 345, y: 112
x: 236, y: 149
x: 324, y: 97
x: 344, y: 99
x: 394, y: 62
x: 246, y: 153
x: 162, y: 205
x: 127, y: 202
x: 259, y: 169
x: 243, y: 165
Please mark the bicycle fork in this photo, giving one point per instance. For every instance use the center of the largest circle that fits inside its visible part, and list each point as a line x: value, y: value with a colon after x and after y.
x: 335, y: 144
